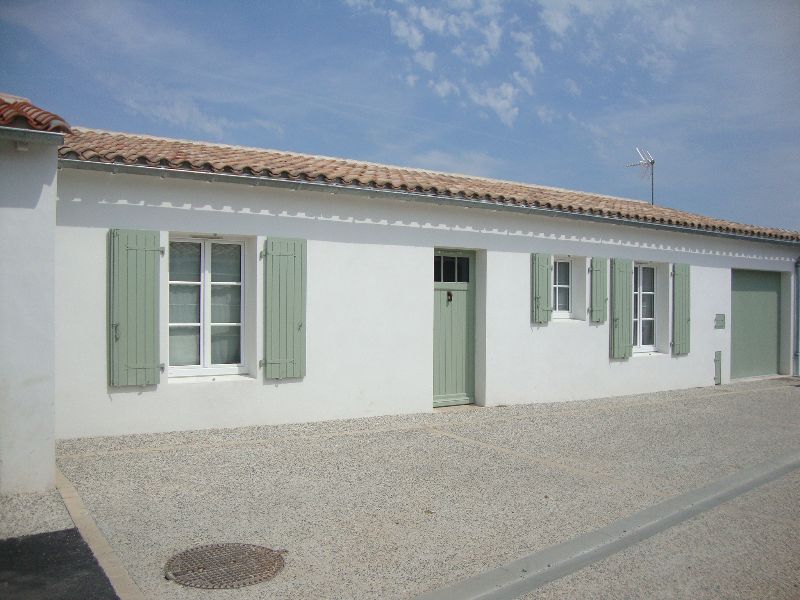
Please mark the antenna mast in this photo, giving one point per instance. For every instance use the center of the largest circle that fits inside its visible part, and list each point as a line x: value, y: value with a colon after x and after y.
x: 648, y: 163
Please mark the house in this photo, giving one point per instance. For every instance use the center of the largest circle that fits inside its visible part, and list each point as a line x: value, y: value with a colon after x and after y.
x: 156, y: 285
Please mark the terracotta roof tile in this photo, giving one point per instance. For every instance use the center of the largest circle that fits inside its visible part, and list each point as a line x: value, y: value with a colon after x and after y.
x: 19, y: 112
x: 109, y: 147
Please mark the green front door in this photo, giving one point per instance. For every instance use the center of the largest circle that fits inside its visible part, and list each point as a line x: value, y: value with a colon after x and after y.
x: 755, y: 322
x: 453, y: 327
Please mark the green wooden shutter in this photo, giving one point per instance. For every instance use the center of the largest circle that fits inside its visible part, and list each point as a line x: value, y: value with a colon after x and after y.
x: 681, y: 317
x: 599, y: 291
x: 133, y: 352
x: 285, y: 309
x: 621, y: 308
x: 718, y: 367
x: 541, y: 289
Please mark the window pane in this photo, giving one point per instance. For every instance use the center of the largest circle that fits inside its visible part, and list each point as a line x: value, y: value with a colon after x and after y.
x: 184, y: 346
x: 635, y: 332
x: 184, y: 261
x: 184, y: 303
x: 648, y: 306
x: 648, y: 333
x: 437, y: 268
x: 562, y: 273
x: 225, y: 344
x: 648, y: 279
x: 449, y: 268
x: 226, y: 304
x: 636, y: 306
x: 562, y: 298
x: 636, y: 279
x: 226, y: 262
x: 463, y: 269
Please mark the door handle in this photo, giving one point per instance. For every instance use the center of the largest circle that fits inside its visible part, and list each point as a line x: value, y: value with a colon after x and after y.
x: 449, y: 296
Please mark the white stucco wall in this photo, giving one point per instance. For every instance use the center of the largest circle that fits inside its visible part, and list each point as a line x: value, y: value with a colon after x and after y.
x: 27, y: 242
x: 354, y: 367
x: 569, y: 359
x: 369, y: 302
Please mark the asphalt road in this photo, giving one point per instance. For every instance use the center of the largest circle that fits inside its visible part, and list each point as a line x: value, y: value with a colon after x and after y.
x: 394, y: 507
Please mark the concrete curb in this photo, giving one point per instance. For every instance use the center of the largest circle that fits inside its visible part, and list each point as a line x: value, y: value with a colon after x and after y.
x: 121, y: 581
x: 535, y: 570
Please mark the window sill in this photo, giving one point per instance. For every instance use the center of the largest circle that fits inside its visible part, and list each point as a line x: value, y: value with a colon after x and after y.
x: 648, y: 353
x: 567, y: 319
x: 208, y: 378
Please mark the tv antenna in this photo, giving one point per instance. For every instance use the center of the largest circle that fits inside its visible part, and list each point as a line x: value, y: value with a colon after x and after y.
x: 648, y: 163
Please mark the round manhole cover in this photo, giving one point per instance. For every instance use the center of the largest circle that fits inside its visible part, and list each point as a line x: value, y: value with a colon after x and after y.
x: 224, y: 566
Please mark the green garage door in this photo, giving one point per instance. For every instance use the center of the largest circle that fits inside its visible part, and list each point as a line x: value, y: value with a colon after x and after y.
x: 755, y: 322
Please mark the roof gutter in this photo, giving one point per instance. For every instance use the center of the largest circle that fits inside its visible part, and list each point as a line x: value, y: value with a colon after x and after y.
x: 17, y: 134
x: 797, y: 317
x: 170, y: 173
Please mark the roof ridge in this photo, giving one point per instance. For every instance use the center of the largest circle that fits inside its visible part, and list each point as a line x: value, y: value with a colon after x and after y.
x: 356, y: 161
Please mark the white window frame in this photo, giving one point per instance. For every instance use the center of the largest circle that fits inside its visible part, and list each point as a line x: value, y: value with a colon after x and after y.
x: 205, y: 367
x: 563, y: 314
x: 636, y: 303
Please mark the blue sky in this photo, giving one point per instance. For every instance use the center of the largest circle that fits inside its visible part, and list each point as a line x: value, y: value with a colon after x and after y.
x: 555, y: 92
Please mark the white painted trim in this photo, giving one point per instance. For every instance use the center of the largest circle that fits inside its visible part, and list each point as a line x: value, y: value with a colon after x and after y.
x: 205, y: 368
x: 637, y: 328
x: 562, y: 314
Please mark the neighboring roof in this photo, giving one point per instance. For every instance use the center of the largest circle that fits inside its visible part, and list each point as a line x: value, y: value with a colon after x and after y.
x: 16, y: 111
x: 141, y: 150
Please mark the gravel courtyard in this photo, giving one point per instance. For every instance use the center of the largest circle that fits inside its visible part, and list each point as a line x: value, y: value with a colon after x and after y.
x: 392, y: 507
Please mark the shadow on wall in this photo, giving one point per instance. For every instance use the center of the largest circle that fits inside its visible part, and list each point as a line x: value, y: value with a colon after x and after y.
x: 90, y: 199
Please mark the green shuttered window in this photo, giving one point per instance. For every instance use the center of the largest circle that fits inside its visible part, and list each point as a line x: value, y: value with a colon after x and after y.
x: 206, y: 306
x: 133, y: 351
x: 599, y: 290
x: 285, y: 308
x: 681, y: 314
x: 621, y: 338
x: 541, y: 285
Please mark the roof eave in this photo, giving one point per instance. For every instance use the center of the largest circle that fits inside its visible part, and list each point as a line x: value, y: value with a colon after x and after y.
x: 18, y: 134
x: 255, y: 181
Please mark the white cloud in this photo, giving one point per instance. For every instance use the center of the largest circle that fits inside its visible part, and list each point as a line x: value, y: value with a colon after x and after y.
x: 426, y: 60
x: 115, y: 26
x: 460, y: 4
x: 134, y: 42
x: 560, y: 15
x: 480, y: 164
x: 269, y: 126
x: 459, y: 24
x: 524, y: 51
x: 477, y: 32
x: 443, y: 88
x: 572, y: 87
x: 490, y: 7
x: 493, y: 33
x: 593, y: 50
x: 523, y: 82
x: 675, y: 29
x: 607, y: 33
x: 405, y: 31
x: 174, y: 109
x: 500, y: 99
x: 411, y: 80
x: 432, y: 19
x: 361, y: 4
x: 657, y: 63
x: 481, y: 54
x: 545, y: 114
